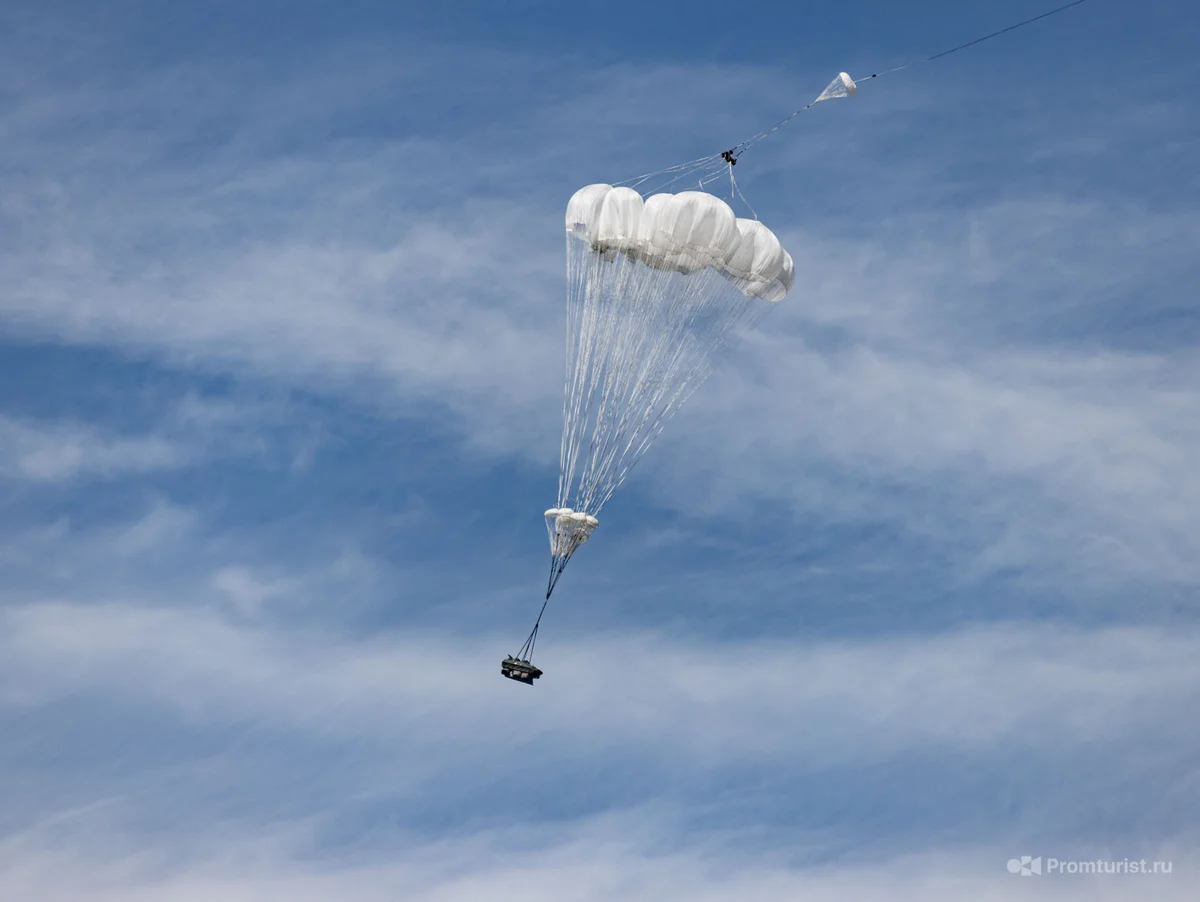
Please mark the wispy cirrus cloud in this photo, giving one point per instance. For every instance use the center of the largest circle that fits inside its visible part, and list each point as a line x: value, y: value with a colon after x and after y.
x: 405, y: 716
x: 162, y: 433
x: 936, y: 365
x: 57, y: 452
x: 970, y: 690
x: 944, y: 339
x: 269, y: 670
x: 603, y: 859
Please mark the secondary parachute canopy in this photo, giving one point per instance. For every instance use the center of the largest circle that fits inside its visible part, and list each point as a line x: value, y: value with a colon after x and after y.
x: 655, y: 288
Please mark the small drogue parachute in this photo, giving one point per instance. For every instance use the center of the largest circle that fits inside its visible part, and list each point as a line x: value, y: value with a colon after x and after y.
x: 655, y: 288
x: 842, y: 86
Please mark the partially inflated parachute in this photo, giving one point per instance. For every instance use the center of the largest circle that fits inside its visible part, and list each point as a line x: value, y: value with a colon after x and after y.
x: 654, y: 289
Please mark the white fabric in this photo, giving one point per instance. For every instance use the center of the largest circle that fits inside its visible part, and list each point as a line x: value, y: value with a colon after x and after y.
x: 761, y: 268
x: 681, y: 233
x: 778, y: 285
x: 653, y: 246
x: 568, y: 530
x: 695, y: 226
x: 755, y: 268
x: 787, y: 277
x: 581, y: 209
x: 842, y: 86
x: 616, y: 217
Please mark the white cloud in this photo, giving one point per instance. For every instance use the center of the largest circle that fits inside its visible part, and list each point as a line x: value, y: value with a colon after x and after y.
x: 59, y: 451
x: 610, y: 858
x: 965, y: 370
x: 186, y: 431
x: 936, y: 350
x: 249, y: 590
x: 971, y: 690
x: 937, y: 354
x: 916, y: 386
x: 164, y: 525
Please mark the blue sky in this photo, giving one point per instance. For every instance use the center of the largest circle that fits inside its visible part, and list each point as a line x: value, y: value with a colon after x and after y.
x: 281, y: 316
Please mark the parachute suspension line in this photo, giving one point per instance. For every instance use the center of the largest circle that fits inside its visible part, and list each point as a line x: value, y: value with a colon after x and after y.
x: 735, y: 190
x: 738, y: 149
x: 643, y: 339
x: 680, y: 171
x: 558, y: 563
x: 526, y: 651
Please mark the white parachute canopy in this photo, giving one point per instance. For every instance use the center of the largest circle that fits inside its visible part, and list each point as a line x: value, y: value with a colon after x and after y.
x: 654, y: 289
x: 842, y: 86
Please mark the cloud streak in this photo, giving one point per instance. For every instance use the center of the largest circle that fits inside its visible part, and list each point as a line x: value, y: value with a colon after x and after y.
x: 251, y: 622
x: 971, y: 690
x: 949, y: 351
x: 58, y: 452
x: 598, y: 860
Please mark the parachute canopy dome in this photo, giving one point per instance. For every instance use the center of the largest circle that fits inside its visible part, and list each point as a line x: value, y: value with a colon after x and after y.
x: 683, y: 233
x: 655, y: 288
